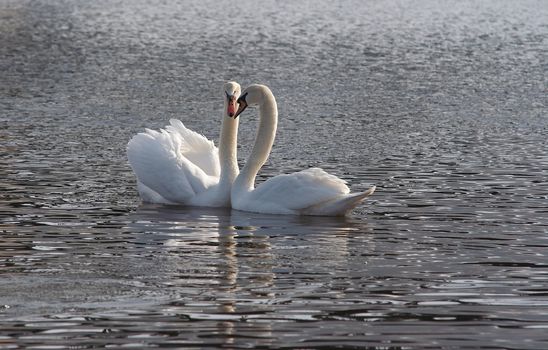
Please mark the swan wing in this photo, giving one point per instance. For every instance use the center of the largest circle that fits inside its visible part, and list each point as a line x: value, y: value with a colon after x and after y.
x: 159, y: 164
x: 299, y: 190
x: 197, y: 148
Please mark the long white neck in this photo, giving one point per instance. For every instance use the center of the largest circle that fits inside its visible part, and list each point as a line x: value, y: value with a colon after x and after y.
x: 228, y: 149
x: 268, y: 122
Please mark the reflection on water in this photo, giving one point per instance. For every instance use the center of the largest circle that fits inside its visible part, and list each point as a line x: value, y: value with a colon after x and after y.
x: 176, y: 276
x: 190, y: 269
x: 441, y: 105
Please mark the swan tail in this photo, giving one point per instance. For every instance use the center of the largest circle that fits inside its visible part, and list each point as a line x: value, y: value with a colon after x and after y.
x: 339, y: 206
x: 150, y: 196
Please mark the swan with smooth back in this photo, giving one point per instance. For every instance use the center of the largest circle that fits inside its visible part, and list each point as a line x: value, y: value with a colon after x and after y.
x: 308, y: 192
x: 179, y: 166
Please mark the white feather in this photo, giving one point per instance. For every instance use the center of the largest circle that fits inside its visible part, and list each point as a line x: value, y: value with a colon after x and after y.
x: 160, y: 165
x: 196, y: 148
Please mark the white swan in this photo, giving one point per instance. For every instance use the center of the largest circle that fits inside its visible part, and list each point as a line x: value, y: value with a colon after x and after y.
x: 307, y: 192
x: 180, y: 166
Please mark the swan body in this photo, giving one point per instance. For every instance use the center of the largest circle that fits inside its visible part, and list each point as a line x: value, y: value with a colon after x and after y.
x: 179, y: 166
x: 307, y: 192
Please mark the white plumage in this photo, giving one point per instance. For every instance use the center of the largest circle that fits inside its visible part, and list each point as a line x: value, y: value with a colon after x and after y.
x: 179, y: 166
x: 307, y: 192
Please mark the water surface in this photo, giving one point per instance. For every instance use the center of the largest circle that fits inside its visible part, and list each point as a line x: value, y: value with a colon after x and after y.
x: 442, y: 105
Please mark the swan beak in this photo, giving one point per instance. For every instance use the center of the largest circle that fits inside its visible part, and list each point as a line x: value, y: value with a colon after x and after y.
x: 242, y: 105
x: 231, y: 109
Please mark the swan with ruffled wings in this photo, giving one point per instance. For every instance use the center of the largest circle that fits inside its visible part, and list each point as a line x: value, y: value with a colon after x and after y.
x: 179, y: 166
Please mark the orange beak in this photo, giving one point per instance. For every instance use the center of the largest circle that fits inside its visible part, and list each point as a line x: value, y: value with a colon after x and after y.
x: 231, y: 109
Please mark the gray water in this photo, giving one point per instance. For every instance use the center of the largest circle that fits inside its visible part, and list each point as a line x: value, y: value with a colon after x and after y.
x: 442, y: 105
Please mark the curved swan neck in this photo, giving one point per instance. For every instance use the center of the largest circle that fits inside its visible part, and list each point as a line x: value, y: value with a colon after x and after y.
x: 268, y: 121
x: 228, y: 148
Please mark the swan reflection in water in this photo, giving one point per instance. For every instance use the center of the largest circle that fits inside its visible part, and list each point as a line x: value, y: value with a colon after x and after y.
x: 228, y: 266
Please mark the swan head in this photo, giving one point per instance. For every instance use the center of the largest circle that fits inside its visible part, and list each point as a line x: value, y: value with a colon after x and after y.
x: 252, y: 95
x: 232, y: 92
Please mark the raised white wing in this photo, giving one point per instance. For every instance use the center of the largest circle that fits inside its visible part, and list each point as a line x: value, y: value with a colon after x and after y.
x: 170, y: 162
x: 197, y: 148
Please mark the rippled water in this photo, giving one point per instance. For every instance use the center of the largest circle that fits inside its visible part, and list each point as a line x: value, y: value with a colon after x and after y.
x: 442, y: 105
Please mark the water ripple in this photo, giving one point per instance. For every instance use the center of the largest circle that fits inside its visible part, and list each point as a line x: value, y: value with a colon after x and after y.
x: 441, y: 105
